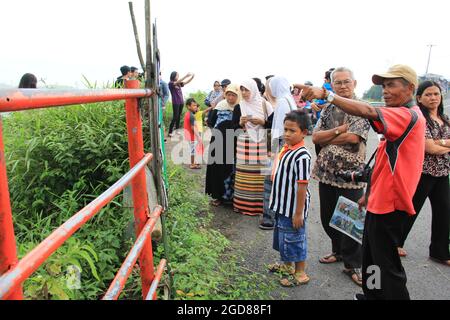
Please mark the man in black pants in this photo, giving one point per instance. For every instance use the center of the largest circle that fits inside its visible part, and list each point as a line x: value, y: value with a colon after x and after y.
x: 394, y: 179
x: 342, y: 138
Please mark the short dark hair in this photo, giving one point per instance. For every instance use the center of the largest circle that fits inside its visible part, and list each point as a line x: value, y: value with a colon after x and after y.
x: 260, y: 85
x: 328, y: 74
x: 190, y: 101
x: 300, y: 117
x: 124, y: 70
x: 28, y: 81
x: 133, y: 69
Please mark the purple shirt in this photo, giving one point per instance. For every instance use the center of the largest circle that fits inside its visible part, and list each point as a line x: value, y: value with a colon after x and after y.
x: 177, y: 94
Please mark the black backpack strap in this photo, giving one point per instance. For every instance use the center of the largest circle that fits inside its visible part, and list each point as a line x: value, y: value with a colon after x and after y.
x: 393, y: 146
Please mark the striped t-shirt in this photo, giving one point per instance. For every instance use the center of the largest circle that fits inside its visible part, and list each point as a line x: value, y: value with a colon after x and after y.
x: 293, y: 168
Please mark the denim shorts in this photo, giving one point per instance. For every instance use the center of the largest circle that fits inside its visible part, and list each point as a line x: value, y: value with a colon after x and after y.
x: 291, y: 243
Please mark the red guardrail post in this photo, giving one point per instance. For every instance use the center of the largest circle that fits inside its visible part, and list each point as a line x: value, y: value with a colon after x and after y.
x: 8, y: 250
x: 139, y: 189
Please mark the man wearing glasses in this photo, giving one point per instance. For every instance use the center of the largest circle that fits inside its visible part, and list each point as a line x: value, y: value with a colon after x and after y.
x: 396, y: 174
x: 343, y: 140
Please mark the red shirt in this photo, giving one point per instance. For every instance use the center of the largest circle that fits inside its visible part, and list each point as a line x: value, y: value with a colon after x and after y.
x: 189, y: 123
x: 399, y: 160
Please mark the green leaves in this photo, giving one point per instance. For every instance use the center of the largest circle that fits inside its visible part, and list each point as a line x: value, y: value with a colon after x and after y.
x: 61, y: 159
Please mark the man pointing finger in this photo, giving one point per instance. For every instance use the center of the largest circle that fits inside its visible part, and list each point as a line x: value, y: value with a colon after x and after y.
x: 398, y: 169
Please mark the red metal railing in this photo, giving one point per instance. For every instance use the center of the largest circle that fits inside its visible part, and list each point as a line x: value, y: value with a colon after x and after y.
x: 13, y: 272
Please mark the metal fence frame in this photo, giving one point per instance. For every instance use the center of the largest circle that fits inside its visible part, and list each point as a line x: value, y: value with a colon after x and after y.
x: 14, y: 272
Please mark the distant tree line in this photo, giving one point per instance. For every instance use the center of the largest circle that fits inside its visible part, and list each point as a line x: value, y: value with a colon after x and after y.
x: 375, y: 93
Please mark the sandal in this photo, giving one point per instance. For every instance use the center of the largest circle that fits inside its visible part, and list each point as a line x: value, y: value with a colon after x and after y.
x: 282, y: 268
x: 444, y: 262
x: 352, y: 273
x: 402, y: 252
x: 216, y: 203
x: 326, y: 259
x: 299, y: 279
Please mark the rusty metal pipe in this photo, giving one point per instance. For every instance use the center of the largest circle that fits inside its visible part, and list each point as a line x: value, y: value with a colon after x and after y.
x: 124, y: 272
x: 27, y: 99
x: 8, y: 249
x: 33, y: 260
x: 139, y: 186
x: 152, y: 292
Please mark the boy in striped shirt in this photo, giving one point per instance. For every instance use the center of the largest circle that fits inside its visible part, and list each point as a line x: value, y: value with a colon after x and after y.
x: 290, y: 199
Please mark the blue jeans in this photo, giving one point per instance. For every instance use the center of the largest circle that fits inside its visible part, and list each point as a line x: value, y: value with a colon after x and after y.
x: 292, y: 244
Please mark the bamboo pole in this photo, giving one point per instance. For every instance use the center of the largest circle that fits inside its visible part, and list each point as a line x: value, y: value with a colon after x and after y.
x: 136, y: 36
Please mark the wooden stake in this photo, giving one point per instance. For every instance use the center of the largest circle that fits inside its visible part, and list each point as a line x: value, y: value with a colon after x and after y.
x: 136, y: 36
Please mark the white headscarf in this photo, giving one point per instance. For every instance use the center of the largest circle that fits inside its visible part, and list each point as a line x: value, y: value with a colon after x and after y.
x: 280, y: 88
x: 254, y: 108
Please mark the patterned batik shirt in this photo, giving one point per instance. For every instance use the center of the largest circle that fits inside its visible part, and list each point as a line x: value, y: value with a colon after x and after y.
x: 333, y: 160
x: 437, y: 165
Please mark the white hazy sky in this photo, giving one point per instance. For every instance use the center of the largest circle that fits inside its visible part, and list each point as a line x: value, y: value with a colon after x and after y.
x: 60, y: 41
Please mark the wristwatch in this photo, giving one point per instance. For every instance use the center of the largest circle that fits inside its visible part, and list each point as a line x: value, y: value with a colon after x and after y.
x: 330, y: 96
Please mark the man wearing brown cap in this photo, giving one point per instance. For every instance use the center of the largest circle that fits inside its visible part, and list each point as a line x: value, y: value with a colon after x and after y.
x: 394, y: 180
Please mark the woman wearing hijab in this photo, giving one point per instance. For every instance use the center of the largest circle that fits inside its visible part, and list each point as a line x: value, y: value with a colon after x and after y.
x: 219, y: 173
x: 285, y: 103
x: 252, y: 117
x: 279, y: 92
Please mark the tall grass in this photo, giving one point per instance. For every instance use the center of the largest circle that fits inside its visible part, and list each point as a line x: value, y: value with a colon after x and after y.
x: 58, y: 161
x: 199, y: 96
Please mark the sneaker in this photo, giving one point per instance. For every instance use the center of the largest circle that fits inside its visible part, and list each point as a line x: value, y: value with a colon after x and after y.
x: 266, y: 226
x: 359, y: 297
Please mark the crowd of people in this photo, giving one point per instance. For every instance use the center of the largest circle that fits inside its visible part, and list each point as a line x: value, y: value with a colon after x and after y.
x: 257, y: 164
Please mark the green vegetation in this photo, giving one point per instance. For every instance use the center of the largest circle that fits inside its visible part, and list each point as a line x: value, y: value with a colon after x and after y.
x: 61, y: 159
x: 375, y: 93
x: 199, y: 96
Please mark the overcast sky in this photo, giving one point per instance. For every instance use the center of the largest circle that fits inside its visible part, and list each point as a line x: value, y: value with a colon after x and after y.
x: 60, y: 41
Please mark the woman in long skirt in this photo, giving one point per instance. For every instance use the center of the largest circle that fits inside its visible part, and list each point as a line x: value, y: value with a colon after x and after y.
x: 251, y: 153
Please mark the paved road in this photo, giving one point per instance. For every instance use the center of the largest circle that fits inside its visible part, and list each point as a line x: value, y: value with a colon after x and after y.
x: 426, y: 279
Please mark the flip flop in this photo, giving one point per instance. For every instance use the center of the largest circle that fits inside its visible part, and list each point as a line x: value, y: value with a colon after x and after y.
x: 287, y: 283
x: 283, y: 268
x: 323, y: 259
x: 444, y: 262
x: 402, y: 252
x: 351, y: 273
x: 216, y: 203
